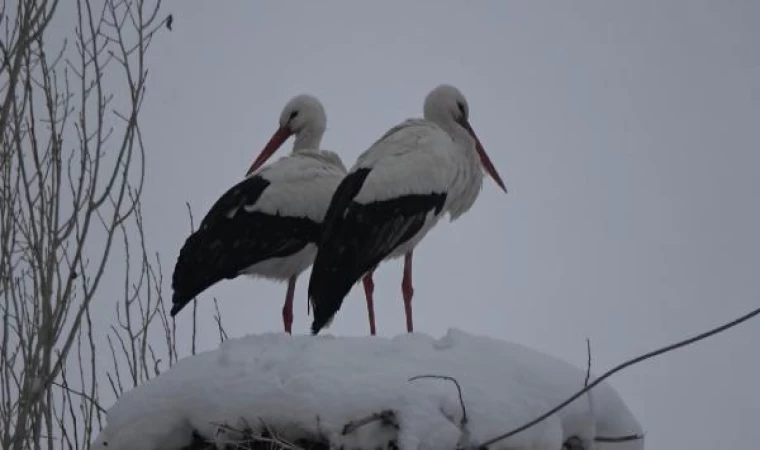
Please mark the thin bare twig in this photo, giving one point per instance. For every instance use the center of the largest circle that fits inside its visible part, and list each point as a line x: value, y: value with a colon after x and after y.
x: 218, y: 318
x: 92, y: 401
x: 195, y: 300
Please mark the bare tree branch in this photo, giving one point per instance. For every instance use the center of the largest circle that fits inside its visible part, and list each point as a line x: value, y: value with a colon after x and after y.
x: 71, y: 179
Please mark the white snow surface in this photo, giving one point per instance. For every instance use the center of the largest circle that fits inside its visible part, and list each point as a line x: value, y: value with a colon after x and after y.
x: 304, y: 386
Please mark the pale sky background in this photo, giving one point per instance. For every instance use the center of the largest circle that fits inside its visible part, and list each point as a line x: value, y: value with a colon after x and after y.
x: 628, y: 134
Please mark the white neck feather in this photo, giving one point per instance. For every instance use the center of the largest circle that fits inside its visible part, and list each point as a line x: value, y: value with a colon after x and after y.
x: 308, y: 139
x: 468, y: 179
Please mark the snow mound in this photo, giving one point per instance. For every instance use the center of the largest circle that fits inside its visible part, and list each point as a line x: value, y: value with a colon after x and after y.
x: 305, y: 386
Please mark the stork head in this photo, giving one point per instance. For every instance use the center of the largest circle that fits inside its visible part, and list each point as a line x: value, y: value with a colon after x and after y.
x: 303, y: 116
x: 446, y: 106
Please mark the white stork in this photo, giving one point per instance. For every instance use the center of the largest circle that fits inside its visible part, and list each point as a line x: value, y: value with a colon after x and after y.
x: 267, y: 225
x: 394, y: 194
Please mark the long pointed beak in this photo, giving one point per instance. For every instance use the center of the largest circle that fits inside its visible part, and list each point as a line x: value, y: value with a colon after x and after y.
x: 484, y: 159
x: 278, y: 138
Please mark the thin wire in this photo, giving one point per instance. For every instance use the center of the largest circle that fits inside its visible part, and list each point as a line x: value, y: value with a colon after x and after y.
x: 620, y: 367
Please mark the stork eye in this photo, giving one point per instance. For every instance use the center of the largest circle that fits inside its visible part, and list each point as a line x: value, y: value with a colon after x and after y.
x: 460, y: 105
x: 293, y: 115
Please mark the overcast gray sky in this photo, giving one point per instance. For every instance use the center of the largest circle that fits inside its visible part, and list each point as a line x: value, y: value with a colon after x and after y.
x: 628, y: 134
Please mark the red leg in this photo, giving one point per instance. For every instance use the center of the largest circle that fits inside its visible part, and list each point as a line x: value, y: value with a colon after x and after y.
x: 287, y: 309
x: 369, y: 290
x: 408, y: 291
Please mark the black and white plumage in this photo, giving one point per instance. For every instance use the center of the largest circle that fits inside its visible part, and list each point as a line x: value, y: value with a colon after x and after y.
x: 269, y: 224
x: 395, y: 193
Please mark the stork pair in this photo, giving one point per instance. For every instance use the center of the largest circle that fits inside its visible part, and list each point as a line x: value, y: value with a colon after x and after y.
x: 306, y: 208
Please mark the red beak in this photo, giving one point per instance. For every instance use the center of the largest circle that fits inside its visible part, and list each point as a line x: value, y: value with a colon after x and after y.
x: 278, y: 138
x: 484, y: 159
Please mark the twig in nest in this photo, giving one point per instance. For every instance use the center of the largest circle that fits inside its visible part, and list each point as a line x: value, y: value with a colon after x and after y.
x: 626, y: 438
x: 459, y: 390
x: 574, y: 443
x: 630, y: 437
x: 588, y: 365
x: 387, y: 417
x: 275, y: 438
x: 267, y: 436
x: 626, y: 364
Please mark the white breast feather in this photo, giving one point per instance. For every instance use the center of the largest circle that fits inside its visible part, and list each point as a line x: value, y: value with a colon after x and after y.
x: 302, y: 185
x: 412, y: 158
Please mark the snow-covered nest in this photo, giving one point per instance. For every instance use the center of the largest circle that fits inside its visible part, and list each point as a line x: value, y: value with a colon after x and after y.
x: 319, y: 389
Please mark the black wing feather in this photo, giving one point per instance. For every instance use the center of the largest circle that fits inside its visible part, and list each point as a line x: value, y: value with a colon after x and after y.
x: 357, y: 237
x: 227, y: 243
